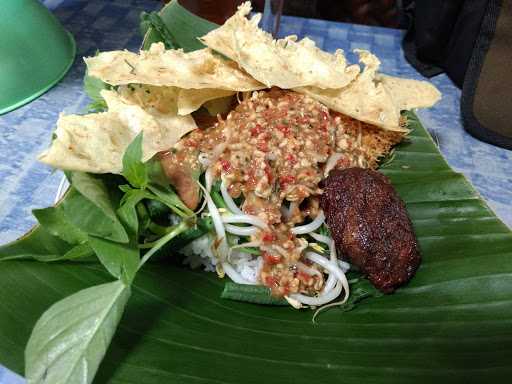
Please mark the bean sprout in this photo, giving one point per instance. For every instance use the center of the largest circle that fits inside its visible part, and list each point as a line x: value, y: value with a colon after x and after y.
x: 313, y: 226
x: 245, y: 219
x: 217, y: 222
x: 332, y: 247
x: 293, y: 302
x: 310, y: 271
x: 208, y: 178
x: 331, y: 162
x: 243, y: 245
x: 329, y: 284
x: 336, y: 283
x: 332, y: 268
x: 234, y: 275
x: 249, y: 244
x: 321, y: 238
x: 321, y: 299
x: 241, y: 231
x: 229, y: 200
x: 344, y: 266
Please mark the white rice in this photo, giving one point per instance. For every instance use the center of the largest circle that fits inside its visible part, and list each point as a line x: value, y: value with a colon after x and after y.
x: 199, y: 254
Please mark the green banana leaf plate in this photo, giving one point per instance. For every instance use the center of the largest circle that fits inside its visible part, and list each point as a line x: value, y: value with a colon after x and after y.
x: 452, y: 323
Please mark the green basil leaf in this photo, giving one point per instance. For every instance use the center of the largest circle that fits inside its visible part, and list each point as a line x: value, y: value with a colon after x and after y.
x: 70, y: 339
x: 92, y: 220
x: 167, y: 196
x: 92, y: 87
x: 128, y: 212
x: 157, y: 209
x: 156, y: 173
x: 54, y: 220
x: 143, y: 215
x: 78, y: 252
x: 120, y: 260
x: 89, y: 207
x: 134, y: 170
x: 93, y: 189
x: 81, y: 252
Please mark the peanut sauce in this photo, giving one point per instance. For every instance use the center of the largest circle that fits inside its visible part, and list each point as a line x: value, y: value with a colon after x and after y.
x: 272, y: 150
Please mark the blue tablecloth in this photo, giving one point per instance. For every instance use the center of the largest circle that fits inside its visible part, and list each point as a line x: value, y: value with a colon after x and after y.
x: 108, y: 25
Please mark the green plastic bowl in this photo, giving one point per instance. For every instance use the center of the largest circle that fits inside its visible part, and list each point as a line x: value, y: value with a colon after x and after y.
x: 35, y: 52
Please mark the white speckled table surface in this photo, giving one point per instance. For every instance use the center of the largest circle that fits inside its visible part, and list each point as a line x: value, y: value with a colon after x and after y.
x: 107, y: 25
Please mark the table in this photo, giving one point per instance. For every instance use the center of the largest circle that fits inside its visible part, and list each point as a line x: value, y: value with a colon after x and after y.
x: 108, y: 25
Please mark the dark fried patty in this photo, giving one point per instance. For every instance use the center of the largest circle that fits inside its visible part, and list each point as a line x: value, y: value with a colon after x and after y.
x: 369, y: 223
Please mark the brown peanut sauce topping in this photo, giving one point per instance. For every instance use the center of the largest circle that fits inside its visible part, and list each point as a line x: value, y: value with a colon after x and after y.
x: 272, y: 151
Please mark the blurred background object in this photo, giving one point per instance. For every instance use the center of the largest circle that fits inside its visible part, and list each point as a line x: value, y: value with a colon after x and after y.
x: 217, y: 11
x: 271, y: 19
x: 441, y: 35
x: 36, y: 52
x: 383, y: 13
x: 470, y: 41
x: 370, y: 12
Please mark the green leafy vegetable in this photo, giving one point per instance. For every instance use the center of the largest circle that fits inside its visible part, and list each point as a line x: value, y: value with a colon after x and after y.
x: 70, y: 339
x: 38, y: 244
x: 216, y: 195
x: 157, y: 210
x: 54, y: 220
x: 121, y: 260
x: 251, y: 251
x: 152, y: 23
x: 183, y: 27
x: 128, y: 212
x: 174, y: 232
x: 91, y: 207
x: 95, y: 190
x: 168, y: 197
x: 92, y: 87
x: 82, y: 252
x: 251, y: 293
x: 134, y: 170
x: 156, y: 173
x: 89, y: 218
x: 202, y: 227
x: 144, y: 218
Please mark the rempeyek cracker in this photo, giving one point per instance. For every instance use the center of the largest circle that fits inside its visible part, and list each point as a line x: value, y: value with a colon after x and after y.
x: 158, y: 66
x: 284, y: 63
x: 96, y: 142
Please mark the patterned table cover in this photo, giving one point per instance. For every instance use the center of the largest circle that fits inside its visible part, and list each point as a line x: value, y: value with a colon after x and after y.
x: 107, y: 25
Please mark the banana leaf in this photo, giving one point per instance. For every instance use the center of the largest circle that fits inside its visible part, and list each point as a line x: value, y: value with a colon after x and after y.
x: 452, y: 323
